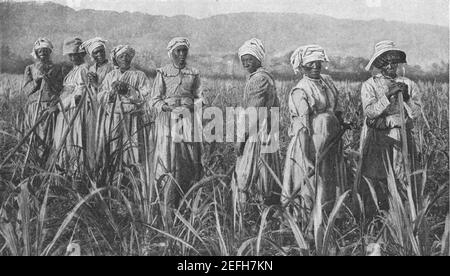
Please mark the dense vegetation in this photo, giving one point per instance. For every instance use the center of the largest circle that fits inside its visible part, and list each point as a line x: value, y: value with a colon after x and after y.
x: 42, y: 212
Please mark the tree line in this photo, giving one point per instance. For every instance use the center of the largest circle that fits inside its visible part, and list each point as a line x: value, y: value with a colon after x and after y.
x: 228, y: 66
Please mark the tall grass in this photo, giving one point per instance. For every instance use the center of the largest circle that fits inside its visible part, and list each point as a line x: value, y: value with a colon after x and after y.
x: 115, y: 211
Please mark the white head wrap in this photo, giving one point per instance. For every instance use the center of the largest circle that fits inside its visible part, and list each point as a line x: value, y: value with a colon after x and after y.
x: 253, y: 47
x: 176, y: 42
x: 307, y: 54
x: 120, y: 49
x: 91, y: 44
x: 42, y: 42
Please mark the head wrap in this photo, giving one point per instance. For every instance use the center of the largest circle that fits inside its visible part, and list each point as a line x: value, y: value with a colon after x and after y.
x: 253, y: 47
x: 176, y: 42
x: 382, y: 48
x: 120, y: 49
x: 92, y: 44
x: 72, y: 46
x: 307, y: 54
x: 42, y: 42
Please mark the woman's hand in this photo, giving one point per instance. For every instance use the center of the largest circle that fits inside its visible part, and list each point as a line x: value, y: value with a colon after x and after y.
x: 166, y: 108
x: 120, y: 88
x: 112, y: 97
x: 77, y: 99
x: 405, y: 91
x: 92, y: 78
x: 394, y: 90
x: 53, y: 109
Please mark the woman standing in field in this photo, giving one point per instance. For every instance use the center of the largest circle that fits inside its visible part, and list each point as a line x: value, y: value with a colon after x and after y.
x: 42, y: 83
x: 124, y: 92
x: 315, y: 127
x: 96, y: 48
x: 76, y: 104
x: 253, y: 181
x: 381, y: 134
x: 177, y: 156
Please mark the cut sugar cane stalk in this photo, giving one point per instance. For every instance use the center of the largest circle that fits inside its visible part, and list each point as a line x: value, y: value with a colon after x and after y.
x: 405, y: 155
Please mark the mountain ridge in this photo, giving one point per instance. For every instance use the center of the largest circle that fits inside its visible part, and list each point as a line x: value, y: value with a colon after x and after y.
x: 222, y: 34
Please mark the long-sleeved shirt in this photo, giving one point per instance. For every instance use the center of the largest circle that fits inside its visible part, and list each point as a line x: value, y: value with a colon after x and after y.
x: 50, y: 87
x: 138, y: 89
x: 311, y: 97
x: 260, y: 91
x: 376, y: 104
x: 175, y: 87
x: 101, y: 71
x: 74, y: 85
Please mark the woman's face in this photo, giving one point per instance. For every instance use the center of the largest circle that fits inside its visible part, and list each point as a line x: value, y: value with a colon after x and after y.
x: 43, y: 54
x: 390, y: 66
x: 124, y: 61
x: 313, y: 69
x: 99, y: 55
x: 77, y: 59
x: 250, y: 63
x: 179, y: 56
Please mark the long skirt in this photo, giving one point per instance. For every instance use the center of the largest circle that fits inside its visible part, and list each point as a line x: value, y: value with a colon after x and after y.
x: 177, y: 160
x: 78, y: 147
x: 42, y: 142
x: 299, y: 188
x: 381, y: 150
x: 256, y: 174
x: 123, y: 138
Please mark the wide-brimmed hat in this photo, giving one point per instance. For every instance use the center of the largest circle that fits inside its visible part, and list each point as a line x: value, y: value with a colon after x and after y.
x: 385, y: 47
x: 73, y: 46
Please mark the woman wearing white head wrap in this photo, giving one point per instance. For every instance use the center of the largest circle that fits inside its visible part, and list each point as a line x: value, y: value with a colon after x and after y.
x: 315, y: 122
x: 253, y: 182
x: 253, y: 47
x: 381, y: 130
x: 96, y: 48
x: 42, y: 84
x: 307, y: 54
x: 122, y: 129
x: 41, y: 43
x: 176, y: 90
x: 177, y: 42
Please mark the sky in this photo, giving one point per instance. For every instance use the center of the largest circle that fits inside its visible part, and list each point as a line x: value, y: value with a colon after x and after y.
x: 434, y: 12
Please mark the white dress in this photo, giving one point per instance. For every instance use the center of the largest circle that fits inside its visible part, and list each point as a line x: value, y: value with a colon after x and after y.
x: 312, y: 105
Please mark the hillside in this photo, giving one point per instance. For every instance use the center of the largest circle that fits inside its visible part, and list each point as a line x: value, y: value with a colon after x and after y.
x: 22, y: 23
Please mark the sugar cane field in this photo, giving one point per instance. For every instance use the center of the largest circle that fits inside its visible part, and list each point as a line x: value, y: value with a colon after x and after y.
x: 108, y: 212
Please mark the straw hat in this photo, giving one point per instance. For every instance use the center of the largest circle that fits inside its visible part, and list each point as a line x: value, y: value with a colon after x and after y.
x: 384, y: 47
x: 72, y: 46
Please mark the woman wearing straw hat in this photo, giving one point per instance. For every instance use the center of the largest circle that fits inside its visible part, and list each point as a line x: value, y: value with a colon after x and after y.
x: 74, y: 96
x: 253, y: 181
x: 381, y: 134
x: 176, y: 91
x: 124, y: 92
x: 315, y: 126
x: 42, y: 83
